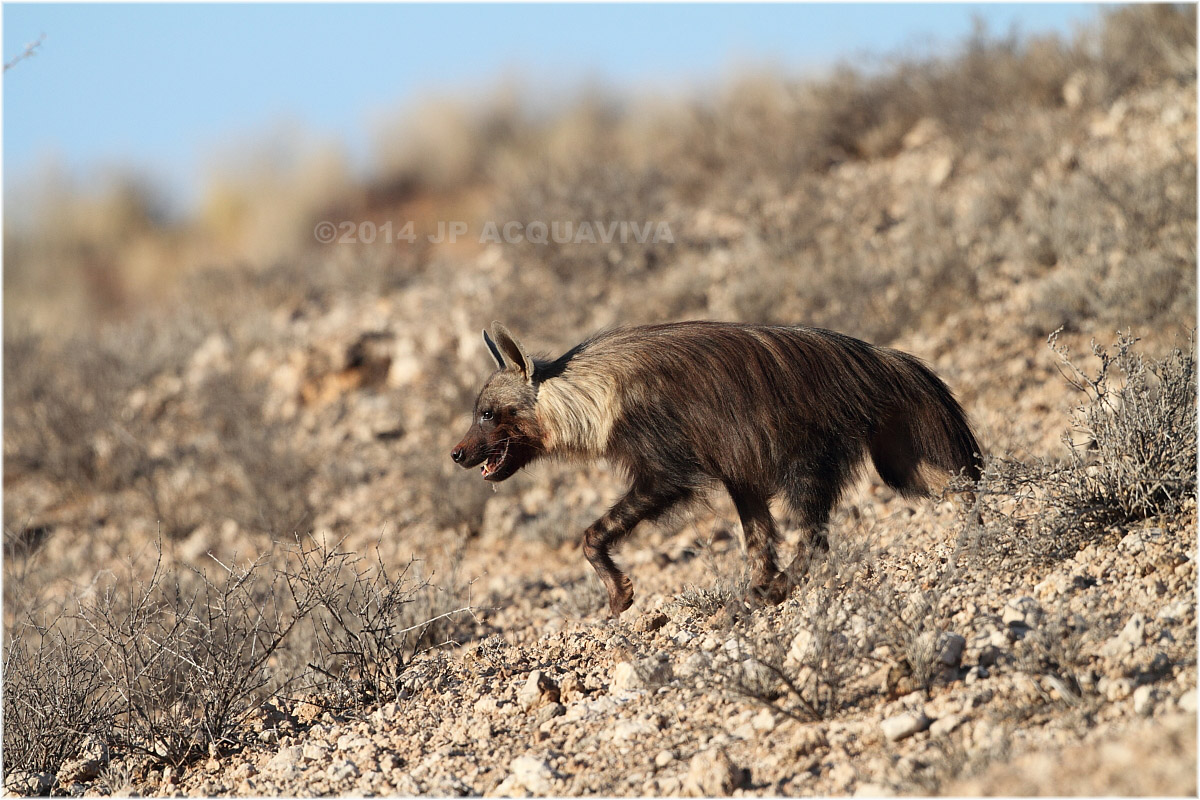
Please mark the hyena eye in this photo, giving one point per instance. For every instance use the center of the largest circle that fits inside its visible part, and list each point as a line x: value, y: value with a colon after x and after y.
x: 486, y: 415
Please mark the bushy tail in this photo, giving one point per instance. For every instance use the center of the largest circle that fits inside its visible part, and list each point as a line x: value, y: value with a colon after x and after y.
x: 924, y: 425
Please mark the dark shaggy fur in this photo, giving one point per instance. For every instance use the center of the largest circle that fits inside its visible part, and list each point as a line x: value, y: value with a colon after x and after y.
x: 762, y: 411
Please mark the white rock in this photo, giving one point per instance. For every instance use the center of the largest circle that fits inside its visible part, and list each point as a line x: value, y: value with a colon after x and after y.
x: 286, y: 757
x: 1132, y: 544
x: 904, y: 725
x: 1135, y: 542
x: 353, y: 741
x: 1178, y: 611
x: 801, y: 648
x: 78, y: 770
x: 537, y: 691
x: 946, y: 724
x: 664, y: 758
x: 291, y: 772
x: 950, y: 649
x: 693, y: 665
x: 532, y: 773
x: 711, y: 773
x: 628, y: 729
x: 342, y: 771
x: 656, y: 669
x: 387, y: 712
x: 1022, y: 611
x: 1129, y: 639
x: 1144, y: 700
x: 625, y: 678
x: 315, y: 751
x: 1187, y: 701
x: 842, y: 775
x: 940, y: 170
x: 763, y: 721
x: 29, y: 784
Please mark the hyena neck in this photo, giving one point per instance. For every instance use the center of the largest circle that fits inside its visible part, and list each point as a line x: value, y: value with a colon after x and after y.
x: 577, y: 406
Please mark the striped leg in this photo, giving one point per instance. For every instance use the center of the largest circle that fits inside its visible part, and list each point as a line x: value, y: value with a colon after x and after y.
x: 639, y: 503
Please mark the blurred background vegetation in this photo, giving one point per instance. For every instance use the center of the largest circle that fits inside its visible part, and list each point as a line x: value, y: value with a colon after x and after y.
x: 748, y: 161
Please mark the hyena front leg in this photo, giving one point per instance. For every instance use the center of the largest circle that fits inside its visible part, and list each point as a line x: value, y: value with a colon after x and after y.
x: 762, y: 536
x: 639, y: 503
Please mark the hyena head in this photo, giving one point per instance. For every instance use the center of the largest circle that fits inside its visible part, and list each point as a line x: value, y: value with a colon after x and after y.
x: 504, y: 434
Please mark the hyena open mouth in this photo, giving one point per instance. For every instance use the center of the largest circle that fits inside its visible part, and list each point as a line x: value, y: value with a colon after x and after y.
x: 495, y: 461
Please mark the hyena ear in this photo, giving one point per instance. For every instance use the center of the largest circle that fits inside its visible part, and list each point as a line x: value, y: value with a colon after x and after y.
x: 512, y: 352
x: 495, y: 351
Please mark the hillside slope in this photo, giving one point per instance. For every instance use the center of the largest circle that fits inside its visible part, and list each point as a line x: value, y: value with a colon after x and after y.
x: 933, y: 652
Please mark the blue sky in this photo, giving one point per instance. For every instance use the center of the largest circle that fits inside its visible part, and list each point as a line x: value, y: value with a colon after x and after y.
x: 163, y: 88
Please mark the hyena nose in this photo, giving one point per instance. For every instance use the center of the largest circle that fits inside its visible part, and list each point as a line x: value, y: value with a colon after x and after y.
x: 457, y: 455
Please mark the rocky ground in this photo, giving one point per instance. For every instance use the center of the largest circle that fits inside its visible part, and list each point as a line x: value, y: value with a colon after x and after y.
x: 930, y: 653
x: 558, y: 704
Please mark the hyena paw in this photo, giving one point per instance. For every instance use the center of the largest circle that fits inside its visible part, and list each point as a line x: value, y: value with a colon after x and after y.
x: 772, y: 592
x: 620, y: 599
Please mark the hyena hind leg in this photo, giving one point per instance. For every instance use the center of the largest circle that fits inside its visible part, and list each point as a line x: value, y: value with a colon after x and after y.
x: 762, y: 537
x: 815, y: 506
x: 638, y: 504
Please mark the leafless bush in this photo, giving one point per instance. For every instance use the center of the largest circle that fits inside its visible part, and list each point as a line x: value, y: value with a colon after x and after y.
x: 189, y: 657
x: 1138, y: 44
x: 57, y: 695
x: 1131, y: 455
x: 268, y: 490
x: 66, y: 403
x: 858, y: 631
x: 368, y: 623
x: 1139, y: 456
x: 169, y: 663
x: 793, y: 243
x: 704, y: 601
x: 111, y: 414
x: 810, y: 663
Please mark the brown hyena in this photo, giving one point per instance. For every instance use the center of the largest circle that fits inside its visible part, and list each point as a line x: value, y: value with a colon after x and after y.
x: 761, y: 411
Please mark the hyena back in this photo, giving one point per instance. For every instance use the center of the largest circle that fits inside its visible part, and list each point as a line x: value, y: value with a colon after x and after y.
x: 763, y: 411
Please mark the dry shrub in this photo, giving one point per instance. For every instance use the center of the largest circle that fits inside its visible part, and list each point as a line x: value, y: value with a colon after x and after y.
x: 67, y: 412
x: 777, y: 216
x: 854, y: 624
x: 441, y: 145
x: 737, y: 152
x: 57, y: 694
x: 1141, y: 44
x: 268, y: 477
x: 1053, y: 652
x: 1137, y: 267
x: 190, y: 657
x: 113, y: 414
x: 1130, y: 456
x: 368, y: 622
x: 1138, y: 459
x: 171, y: 663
